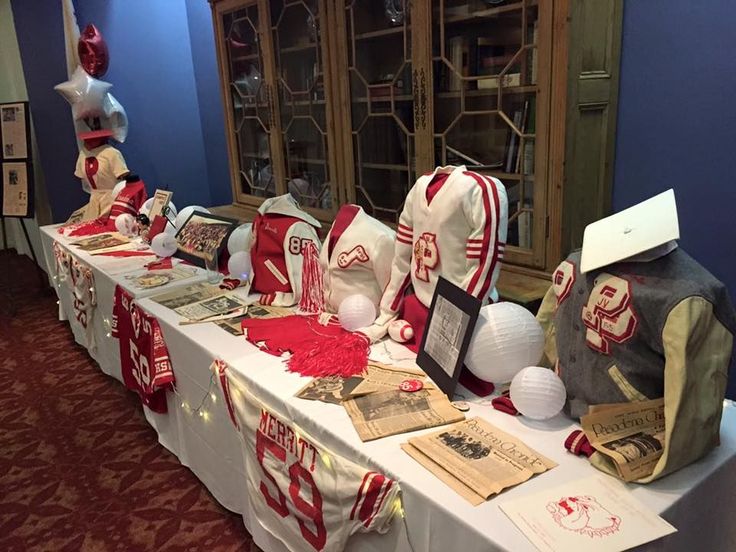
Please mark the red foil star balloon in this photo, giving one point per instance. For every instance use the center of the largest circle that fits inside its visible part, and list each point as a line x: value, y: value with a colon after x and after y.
x: 92, y: 49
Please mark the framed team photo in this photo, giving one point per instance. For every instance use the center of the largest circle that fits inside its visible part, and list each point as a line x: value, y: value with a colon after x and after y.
x: 202, y: 236
x: 450, y: 324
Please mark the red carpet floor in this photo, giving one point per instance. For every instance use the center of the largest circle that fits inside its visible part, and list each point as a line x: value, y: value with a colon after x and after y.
x: 80, y: 468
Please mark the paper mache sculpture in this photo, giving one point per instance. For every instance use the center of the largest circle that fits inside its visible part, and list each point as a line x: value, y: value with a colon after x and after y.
x: 633, y: 317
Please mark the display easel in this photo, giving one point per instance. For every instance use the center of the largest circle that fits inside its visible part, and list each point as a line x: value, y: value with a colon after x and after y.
x: 17, y: 189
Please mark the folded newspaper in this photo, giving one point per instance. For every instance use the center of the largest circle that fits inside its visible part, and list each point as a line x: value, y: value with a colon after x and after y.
x: 186, y: 295
x: 212, y: 306
x: 476, y: 459
x: 385, y: 413
x: 383, y: 377
x: 630, y: 435
x: 232, y: 325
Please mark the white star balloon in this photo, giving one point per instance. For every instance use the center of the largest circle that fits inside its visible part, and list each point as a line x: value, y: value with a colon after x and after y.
x: 85, y: 94
x: 117, y: 117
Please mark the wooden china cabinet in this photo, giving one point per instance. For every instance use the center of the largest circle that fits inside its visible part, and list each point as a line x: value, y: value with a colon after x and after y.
x: 344, y: 101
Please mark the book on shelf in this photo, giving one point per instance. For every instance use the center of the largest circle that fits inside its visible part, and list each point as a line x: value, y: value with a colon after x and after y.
x: 458, y: 56
x: 534, y: 54
x: 523, y: 127
x: 507, y: 80
x: 513, y: 145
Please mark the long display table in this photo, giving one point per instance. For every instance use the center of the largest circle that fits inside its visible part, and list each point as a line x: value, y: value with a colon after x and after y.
x: 697, y: 500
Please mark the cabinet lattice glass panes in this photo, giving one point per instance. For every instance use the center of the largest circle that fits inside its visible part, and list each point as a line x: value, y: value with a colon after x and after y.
x: 484, y: 61
x: 295, y: 28
x: 251, y: 111
x: 379, y: 66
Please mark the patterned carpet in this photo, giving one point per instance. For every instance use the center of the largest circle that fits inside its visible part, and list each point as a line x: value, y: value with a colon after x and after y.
x: 80, y: 468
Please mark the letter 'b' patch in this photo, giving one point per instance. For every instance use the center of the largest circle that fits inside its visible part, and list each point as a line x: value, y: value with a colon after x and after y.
x: 563, y: 280
x: 608, y: 316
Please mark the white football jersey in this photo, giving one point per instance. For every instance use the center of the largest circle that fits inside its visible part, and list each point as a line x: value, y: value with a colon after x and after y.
x: 356, y: 257
x: 307, y: 496
x: 84, y: 299
x: 100, y: 168
x: 457, y: 232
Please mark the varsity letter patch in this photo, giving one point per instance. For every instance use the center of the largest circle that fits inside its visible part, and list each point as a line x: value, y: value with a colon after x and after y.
x: 608, y: 314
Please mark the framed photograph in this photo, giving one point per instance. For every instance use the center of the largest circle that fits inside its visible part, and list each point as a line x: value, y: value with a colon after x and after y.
x: 16, y: 188
x: 450, y: 325
x: 202, y: 236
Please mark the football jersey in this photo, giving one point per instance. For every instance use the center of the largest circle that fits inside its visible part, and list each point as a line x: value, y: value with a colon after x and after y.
x: 454, y: 225
x: 279, y: 234
x: 144, y: 357
x: 129, y: 200
x: 356, y: 257
x: 307, y: 496
x: 100, y: 168
x: 84, y: 299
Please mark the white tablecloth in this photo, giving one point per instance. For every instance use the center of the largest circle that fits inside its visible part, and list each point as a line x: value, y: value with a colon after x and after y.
x: 698, y: 500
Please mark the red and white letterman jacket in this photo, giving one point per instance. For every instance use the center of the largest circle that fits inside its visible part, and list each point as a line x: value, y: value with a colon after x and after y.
x: 280, y: 232
x: 356, y: 257
x: 453, y: 225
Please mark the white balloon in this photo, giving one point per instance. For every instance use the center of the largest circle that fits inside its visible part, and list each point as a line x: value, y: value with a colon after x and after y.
x: 146, y: 208
x: 86, y: 94
x: 238, y: 238
x: 118, y: 119
x: 239, y: 265
x: 126, y: 224
x: 538, y: 393
x: 164, y: 244
x: 356, y: 311
x: 506, y: 339
x: 185, y: 213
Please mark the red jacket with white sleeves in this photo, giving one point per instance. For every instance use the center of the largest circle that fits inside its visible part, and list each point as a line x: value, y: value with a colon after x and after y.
x: 453, y: 225
x: 280, y: 232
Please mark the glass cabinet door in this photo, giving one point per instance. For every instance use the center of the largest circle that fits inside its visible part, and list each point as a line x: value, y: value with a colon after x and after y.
x: 486, y: 102
x: 297, y: 33
x: 249, y: 102
x: 381, y: 100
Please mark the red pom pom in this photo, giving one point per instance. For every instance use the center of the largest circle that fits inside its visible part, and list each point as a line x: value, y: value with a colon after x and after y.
x: 343, y: 355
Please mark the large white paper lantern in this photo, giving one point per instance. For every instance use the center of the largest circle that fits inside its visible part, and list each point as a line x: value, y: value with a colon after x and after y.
x: 239, y: 265
x: 506, y: 339
x: 186, y: 212
x: 146, y: 208
x: 164, y: 245
x: 238, y: 239
x: 356, y: 311
x: 126, y: 224
x: 538, y: 393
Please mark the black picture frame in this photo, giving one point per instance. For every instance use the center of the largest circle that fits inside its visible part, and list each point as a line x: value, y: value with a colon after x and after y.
x: 27, y: 160
x: 191, y: 247
x: 450, y: 324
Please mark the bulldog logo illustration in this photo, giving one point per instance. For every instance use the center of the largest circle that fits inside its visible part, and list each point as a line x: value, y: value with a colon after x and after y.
x: 584, y: 515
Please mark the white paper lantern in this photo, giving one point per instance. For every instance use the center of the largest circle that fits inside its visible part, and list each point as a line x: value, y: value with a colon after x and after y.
x: 356, y: 311
x: 164, y: 245
x: 239, y: 265
x: 186, y: 212
x: 146, y: 208
x: 126, y: 224
x: 238, y: 238
x: 506, y: 339
x: 538, y: 393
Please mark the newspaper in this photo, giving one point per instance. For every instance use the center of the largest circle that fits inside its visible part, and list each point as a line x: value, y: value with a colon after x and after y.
x: 156, y: 278
x: 186, y: 295
x: 631, y: 435
x: 233, y: 324
x: 392, y: 412
x: 333, y: 389
x: 212, y: 306
x: 103, y: 243
x: 382, y: 377
x: 477, y: 459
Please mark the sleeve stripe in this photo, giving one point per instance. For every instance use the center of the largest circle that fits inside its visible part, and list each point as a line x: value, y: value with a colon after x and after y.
x: 360, y: 494
x: 487, y: 231
x: 377, y: 510
x: 405, y: 228
x: 495, y: 255
x: 400, y: 293
x: 402, y: 240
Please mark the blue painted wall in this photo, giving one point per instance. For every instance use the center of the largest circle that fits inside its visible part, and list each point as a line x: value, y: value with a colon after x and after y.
x: 209, y: 96
x: 41, y: 43
x: 163, y: 71
x: 677, y: 123
x: 152, y: 74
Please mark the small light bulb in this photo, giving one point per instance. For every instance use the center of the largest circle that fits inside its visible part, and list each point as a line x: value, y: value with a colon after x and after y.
x: 205, y: 415
x: 213, y: 397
